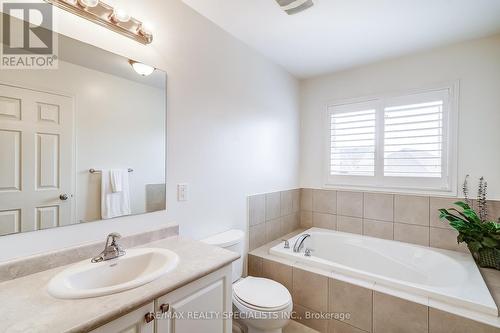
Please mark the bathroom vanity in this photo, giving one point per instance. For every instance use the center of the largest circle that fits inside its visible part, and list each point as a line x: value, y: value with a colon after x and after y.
x: 203, y: 299
x: 199, y: 286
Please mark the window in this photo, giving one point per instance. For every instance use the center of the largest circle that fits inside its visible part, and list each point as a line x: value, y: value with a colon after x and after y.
x: 399, y: 142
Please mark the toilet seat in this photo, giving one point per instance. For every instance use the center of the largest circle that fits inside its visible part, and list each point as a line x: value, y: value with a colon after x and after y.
x: 261, y: 294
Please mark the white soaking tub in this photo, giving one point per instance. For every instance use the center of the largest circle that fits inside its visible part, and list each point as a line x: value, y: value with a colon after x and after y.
x: 439, y: 278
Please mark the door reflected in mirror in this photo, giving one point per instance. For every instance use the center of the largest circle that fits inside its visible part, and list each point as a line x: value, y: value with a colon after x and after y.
x: 80, y: 143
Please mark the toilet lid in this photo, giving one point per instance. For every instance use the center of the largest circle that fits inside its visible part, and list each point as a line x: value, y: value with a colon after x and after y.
x: 262, y: 293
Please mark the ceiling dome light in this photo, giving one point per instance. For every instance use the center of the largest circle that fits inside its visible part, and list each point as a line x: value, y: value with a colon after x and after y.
x: 141, y: 69
x: 88, y: 3
x: 120, y: 15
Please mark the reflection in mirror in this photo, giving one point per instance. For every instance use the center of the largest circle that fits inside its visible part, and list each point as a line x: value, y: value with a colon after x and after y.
x: 92, y: 113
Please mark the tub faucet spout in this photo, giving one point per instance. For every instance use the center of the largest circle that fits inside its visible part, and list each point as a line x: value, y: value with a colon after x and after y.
x: 299, y: 243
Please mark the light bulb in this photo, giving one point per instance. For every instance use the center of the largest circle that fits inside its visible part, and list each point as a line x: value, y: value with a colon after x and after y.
x: 141, y: 69
x: 146, y: 29
x: 120, y: 15
x: 88, y: 3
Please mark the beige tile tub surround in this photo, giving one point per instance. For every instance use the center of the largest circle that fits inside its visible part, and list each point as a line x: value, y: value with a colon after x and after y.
x: 335, y: 326
x: 434, y: 205
x: 396, y: 315
x: 406, y: 218
x: 272, y: 215
x: 309, y: 290
x: 379, y: 229
x: 353, y: 225
x: 257, y: 209
x: 278, y: 272
x: 33, y: 264
x: 254, y: 266
x: 273, y: 229
x: 350, y: 204
x: 411, y: 209
x: 357, y: 301
x: 445, y: 239
x: 410, y: 233
x: 317, y: 325
x: 378, y: 206
x: 326, y: 221
x: 306, y: 199
x: 444, y: 322
x: 324, y: 201
x: 306, y: 219
x: 31, y: 309
x: 257, y: 236
x: 273, y: 205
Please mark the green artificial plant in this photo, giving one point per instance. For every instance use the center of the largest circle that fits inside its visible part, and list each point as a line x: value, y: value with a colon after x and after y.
x: 482, y: 237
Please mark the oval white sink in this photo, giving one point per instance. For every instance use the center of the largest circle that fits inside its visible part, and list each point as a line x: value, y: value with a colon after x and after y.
x: 135, y: 268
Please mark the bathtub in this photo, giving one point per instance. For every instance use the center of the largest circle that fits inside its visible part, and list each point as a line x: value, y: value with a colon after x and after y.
x: 440, y: 278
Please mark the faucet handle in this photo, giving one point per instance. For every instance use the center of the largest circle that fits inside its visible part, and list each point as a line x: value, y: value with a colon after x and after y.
x: 307, y: 252
x: 114, y: 236
x: 287, y: 243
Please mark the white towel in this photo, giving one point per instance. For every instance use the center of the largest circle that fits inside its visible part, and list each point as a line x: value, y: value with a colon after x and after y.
x: 115, y: 196
x: 116, y: 177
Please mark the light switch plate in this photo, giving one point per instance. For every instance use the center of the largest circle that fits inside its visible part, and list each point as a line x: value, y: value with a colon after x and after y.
x: 182, y: 192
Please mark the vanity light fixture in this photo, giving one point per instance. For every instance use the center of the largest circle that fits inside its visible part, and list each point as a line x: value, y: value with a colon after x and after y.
x: 87, y: 3
x: 116, y: 19
x: 145, y: 29
x: 141, y: 69
x: 120, y: 15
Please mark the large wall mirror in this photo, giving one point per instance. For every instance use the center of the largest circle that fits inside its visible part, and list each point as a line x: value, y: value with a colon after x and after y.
x: 80, y: 143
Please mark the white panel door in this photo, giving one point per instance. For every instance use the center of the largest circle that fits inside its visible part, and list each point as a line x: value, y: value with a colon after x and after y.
x: 36, y: 165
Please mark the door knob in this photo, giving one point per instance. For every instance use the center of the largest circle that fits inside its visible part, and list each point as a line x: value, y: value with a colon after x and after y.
x: 63, y: 197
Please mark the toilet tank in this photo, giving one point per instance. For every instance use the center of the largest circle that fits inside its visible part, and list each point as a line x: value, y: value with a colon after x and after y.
x: 231, y: 240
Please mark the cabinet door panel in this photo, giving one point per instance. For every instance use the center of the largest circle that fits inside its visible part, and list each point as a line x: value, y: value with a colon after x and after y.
x: 133, y: 322
x: 198, y: 307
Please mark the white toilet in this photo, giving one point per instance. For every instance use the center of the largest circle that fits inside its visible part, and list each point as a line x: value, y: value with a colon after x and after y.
x: 260, y: 305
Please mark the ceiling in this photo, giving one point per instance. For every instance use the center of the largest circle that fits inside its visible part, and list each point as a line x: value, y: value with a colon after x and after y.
x: 339, y: 34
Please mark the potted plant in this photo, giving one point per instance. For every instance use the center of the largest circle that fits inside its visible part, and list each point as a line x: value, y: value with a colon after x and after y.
x: 482, y: 236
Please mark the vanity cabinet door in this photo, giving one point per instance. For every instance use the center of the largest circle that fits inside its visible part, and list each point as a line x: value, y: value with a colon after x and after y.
x: 138, y: 321
x: 201, y: 306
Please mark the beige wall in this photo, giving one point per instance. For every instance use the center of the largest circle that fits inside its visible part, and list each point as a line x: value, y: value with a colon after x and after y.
x: 232, y: 123
x: 476, y: 64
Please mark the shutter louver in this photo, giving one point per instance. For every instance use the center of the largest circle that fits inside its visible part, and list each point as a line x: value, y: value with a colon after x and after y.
x: 352, y: 140
x: 413, y: 139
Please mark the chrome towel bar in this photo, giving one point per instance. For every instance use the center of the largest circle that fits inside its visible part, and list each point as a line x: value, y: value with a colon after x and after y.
x: 99, y: 171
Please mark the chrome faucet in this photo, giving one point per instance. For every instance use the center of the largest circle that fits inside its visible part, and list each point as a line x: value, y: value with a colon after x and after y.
x: 112, y: 249
x: 299, y: 243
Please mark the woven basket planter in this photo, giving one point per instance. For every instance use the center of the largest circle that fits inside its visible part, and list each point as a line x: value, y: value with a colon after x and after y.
x: 488, y: 258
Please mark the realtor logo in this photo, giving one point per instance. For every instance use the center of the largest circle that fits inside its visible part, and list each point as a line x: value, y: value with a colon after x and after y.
x: 28, y: 38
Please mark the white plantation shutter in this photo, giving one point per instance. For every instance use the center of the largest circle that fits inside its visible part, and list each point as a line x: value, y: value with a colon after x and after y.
x: 352, y: 140
x: 404, y: 142
x: 413, y: 140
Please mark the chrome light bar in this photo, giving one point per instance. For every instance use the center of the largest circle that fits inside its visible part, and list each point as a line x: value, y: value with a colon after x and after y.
x: 115, y: 19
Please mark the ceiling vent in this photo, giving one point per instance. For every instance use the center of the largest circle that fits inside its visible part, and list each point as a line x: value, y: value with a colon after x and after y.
x: 295, y: 6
